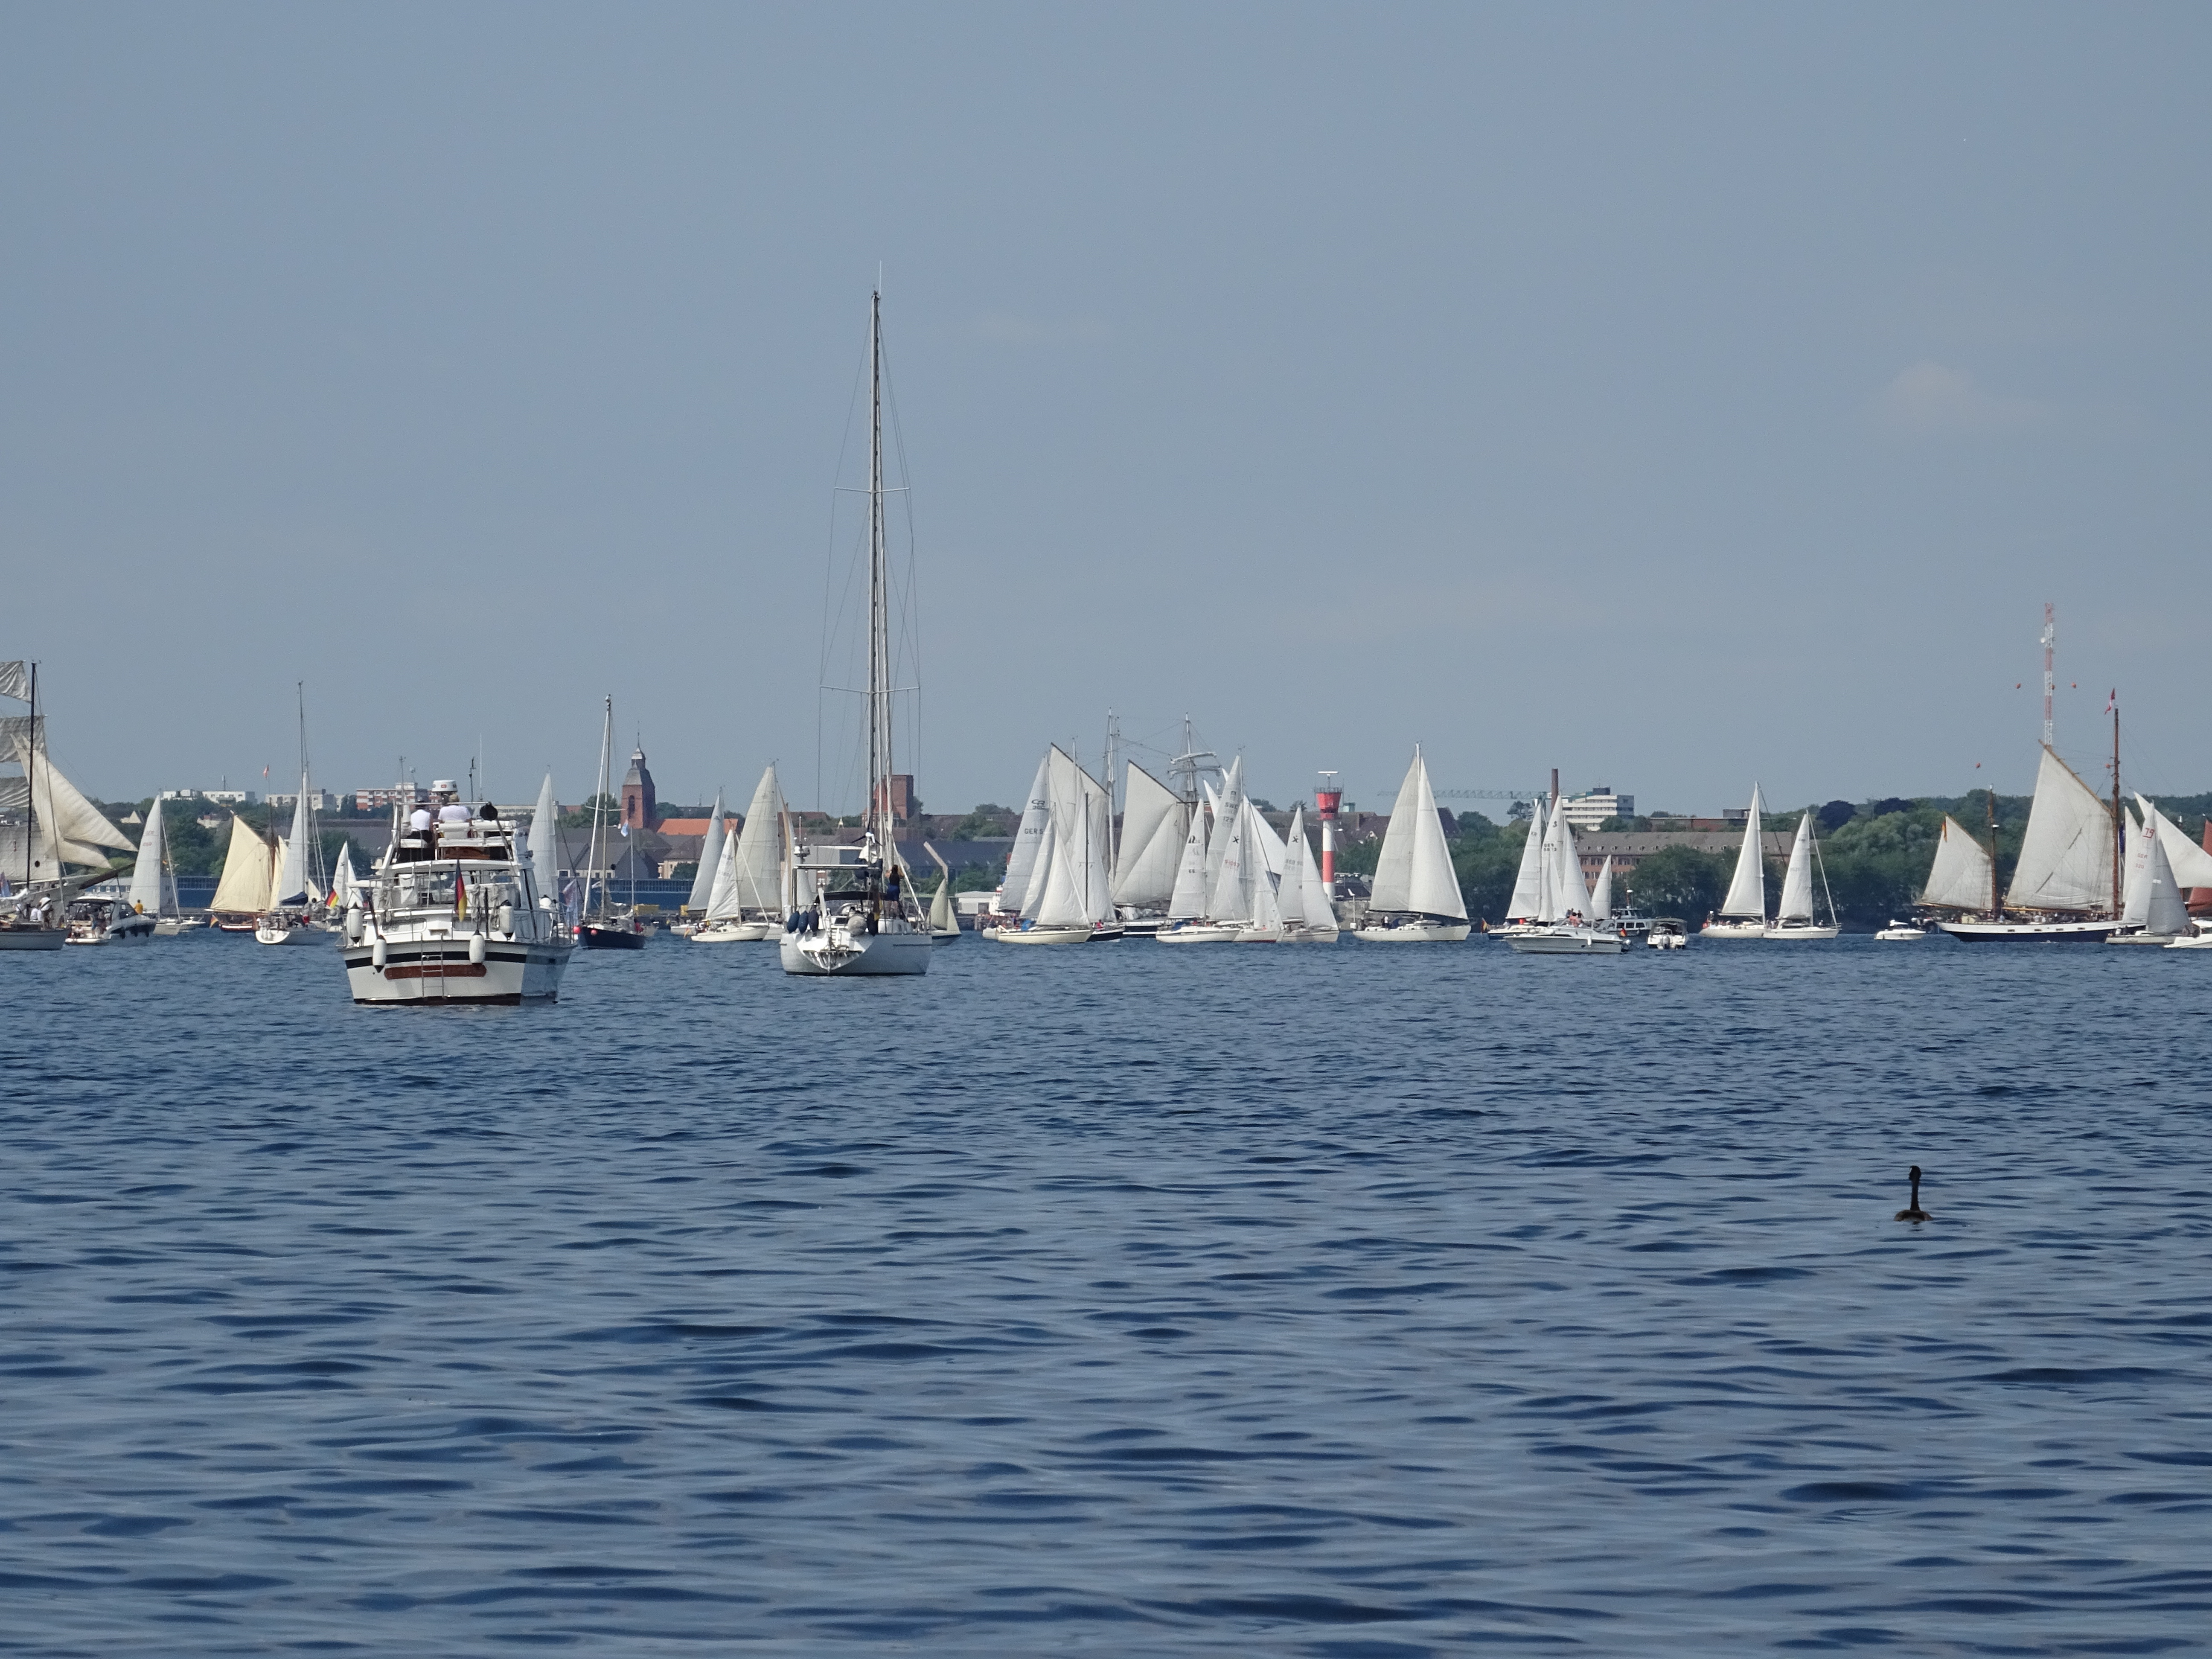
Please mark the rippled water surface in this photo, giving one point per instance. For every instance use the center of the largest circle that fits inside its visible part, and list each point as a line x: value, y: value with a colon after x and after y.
x: 1363, y: 1300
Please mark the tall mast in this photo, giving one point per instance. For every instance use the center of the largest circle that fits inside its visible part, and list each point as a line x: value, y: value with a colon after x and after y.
x: 1113, y: 740
x: 1989, y: 803
x: 2119, y: 840
x: 30, y: 787
x: 599, y: 805
x: 879, y: 697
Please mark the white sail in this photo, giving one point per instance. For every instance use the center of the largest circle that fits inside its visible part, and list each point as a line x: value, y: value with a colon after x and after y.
x: 1187, y: 899
x: 1231, y: 899
x: 1564, y: 892
x: 545, y: 843
x: 1096, y: 830
x: 1601, y: 894
x: 1796, y: 903
x: 2192, y: 864
x: 1151, y: 841
x: 1960, y: 878
x: 345, y: 880
x: 757, y: 862
x: 1291, y: 891
x: 69, y: 828
x: 1318, y: 910
x: 289, y: 885
x: 723, y: 904
x: 1746, y: 893
x: 1264, y: 909
x: 1529, y: 884
x: 1029, y: 841
x: 2066, y: 855
x: 2167, y: 909
x: 1227, y: 811
x: 942, y: 919
x: 2136, y: 843
x: 710, y: 859
x: 1059, y: 899
x: 146, y: 884
x: 1414, y: 871
x: 247, y: 869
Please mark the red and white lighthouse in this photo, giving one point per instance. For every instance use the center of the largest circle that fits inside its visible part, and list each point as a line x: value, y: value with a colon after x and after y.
x: 1328, y: 799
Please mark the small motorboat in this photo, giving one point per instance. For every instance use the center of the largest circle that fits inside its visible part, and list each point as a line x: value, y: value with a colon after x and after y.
x: 1901, y: 932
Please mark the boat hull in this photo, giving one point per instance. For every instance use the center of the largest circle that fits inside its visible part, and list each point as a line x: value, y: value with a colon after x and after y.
x: 836, y: 952
x: 441, y: 974
x: 1900, y: 935
x: 132, y: 930
x: 1042, y: 936
x: 1195, y: 934
x: 293, y: 935
x: 2030, y: 932
x: 1416, y: 932
x: 735, y: 932
x: 1259, y: 935
x: 32, y: 939
x: 1565, y: 942
x: 593, y: 937
x: 1795, y: 932
x: 1312, y: 935
x: 1728, y: 930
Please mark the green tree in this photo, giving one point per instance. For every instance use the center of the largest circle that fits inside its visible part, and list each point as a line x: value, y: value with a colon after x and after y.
x: 1679, y: 881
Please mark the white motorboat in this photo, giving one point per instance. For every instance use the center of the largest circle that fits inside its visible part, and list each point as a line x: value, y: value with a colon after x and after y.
x: 108, y: 918
x: 291, y: 928
x: 865, y: 924
x: 1900, y: 932
x: 2193, y: 942
x: 1415, y: 898
x: 1792, y: 917
x: 451, y: 915
x: 1196, y: 932
x: 1567, y: 939
x: 1667, y: 933
x: 1742, y: 913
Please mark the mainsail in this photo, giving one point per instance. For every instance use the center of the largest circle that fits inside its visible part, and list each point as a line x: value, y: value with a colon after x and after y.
x: 69, y: 828
x: 2192, y: 864
x: 1152, y: 828
x: 1746, y: 893
x: 755, y: 864
x: 289, y: 885
x: 1601, y: 896
x: 1797, y: 883
x: 2165, y: 910
x: 153, y: 888
x: 1227, y: 811
x: 247, y: 870
x: 1960, y: 878
x: 710, y: 858
x: 1564, y: 892
x: 545, y: 847
x: 2066, y: 855
x: 1187, y: 899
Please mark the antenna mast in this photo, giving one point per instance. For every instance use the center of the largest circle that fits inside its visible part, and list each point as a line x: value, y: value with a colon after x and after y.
x: 2050, y: 683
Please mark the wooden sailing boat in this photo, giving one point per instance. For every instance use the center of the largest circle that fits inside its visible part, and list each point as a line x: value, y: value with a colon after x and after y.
x: 860, y: 915
x: 2066, y: 885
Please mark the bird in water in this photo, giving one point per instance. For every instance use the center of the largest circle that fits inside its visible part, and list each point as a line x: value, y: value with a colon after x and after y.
x: 1912, y: 1211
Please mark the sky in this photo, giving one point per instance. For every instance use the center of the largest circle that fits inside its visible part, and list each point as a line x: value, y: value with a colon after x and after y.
x: 1676, y: 396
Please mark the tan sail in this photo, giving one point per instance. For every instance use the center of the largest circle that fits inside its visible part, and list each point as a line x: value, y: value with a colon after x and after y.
x: 248, y: 871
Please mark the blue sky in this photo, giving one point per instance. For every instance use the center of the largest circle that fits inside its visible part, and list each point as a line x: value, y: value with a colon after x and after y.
x: 1677, y: 396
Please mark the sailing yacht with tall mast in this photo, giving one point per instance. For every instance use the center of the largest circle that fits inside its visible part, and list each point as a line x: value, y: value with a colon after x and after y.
x: 1793, y: 916
x: 297, y: 888
x: 859, y: 914
x: 58, y: 827
x: 2065, y: 885
x: 1415, y: 898
x: 602, y: 928
x: 1742, y: 913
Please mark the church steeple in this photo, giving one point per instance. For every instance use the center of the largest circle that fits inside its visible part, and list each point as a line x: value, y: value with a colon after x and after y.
x: 640, y: 808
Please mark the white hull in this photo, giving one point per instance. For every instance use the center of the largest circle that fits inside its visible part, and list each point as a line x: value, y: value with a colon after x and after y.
x: 1796, y: 930
x: 1565, y: 942
x: 137, y: 930
x: 1733, y: 930
x: 1196, y: 933
x: 1260, y: 935
x: 842, y: 951
x: 735, y: 932
x: 945, y: 936
x: 1043, y: 936
x: 31, y: 938
x: 1899, y: 932
x: 1312, y: 935
x: 298, y: 934
x: 2160, y: 940
x: 439, y: 972
x: 2199, y: 942
x: 1416, y: 932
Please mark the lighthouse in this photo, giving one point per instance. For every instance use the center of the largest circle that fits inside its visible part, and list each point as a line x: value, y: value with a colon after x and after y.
x: 1327, y: 800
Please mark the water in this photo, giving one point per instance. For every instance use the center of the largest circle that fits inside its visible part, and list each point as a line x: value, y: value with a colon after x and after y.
x: 1119, y: 1300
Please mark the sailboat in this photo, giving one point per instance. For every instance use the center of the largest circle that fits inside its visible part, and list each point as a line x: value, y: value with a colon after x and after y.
x: 154, y: 879
x: 1259, y: 861
x: 860, y: 915
x: 944, y: 919
x: 1743, y: 913
x: 602, y: 928
x: 59, y: 827
x: 1415, y: 898
x: 1521, y: 911
x: 1307, y: 916
x: 249, y: 874
x: 1155, y: 824
x: 746, y: 904
x: 1192, y: 915
x: 2162, y: 864
x: 542, y: 849
x: 1068, y: 898
x: 1793, y: 916
x: 702, y: 879
x: 1566, y: 926
x: 2066, y: 875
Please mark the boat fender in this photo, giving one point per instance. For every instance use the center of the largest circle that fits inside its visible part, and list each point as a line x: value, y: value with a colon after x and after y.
x: 475, y: 948
x: 376, y: 954
x: 353, y: 925
x: 506, y: 919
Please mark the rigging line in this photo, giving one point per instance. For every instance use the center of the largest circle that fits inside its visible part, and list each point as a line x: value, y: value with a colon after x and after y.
x: 830, y: 564
x: 910, y: 595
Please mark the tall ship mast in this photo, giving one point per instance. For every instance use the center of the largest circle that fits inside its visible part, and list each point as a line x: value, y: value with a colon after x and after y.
x: 856, y: 912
